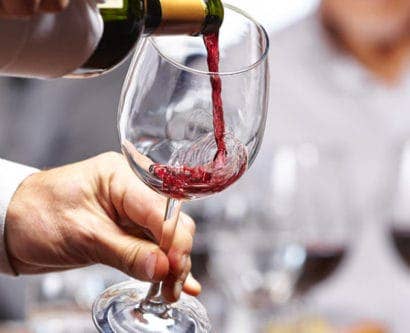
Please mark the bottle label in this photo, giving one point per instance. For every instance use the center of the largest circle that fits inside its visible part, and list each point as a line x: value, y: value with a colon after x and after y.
x: 111, y: 4
x: 182, y: 16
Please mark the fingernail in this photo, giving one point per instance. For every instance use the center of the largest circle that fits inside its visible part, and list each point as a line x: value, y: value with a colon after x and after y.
x: 177, y: 289
x: 150, y: 265
x: 183, y: 262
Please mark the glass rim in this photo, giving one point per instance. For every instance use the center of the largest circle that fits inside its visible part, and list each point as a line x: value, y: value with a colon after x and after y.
x: 261, y: 59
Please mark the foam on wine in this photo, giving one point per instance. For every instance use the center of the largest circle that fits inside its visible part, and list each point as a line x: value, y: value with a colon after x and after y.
x: 188, y: 172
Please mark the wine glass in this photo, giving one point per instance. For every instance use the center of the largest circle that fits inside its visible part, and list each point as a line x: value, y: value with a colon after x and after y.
x: 312, y: 198
x: 166, y: 128
x: 400, y: 211
x: 324, y: 211
x: 300, y: 232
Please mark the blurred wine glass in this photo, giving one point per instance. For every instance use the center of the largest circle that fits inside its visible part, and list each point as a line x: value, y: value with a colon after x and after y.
x: 285, y: 236
x: 61, y: 302
x: 400, y: 212
x: 321, y: 212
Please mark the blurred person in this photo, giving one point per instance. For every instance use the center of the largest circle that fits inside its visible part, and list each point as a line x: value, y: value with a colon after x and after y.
x: 340, y: 79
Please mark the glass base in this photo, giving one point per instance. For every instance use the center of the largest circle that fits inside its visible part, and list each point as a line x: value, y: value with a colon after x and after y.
x: 118, y: 310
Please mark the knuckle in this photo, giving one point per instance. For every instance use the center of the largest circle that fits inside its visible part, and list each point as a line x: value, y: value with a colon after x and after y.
x: 110, y: 157
x: 185, y: 272
x: 183, y: 245
x: 107, y: 163
x: 189, y: 242
x: 187, y: 268
x: 73, y: 194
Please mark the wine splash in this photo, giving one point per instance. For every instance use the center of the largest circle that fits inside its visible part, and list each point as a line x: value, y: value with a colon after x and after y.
x: 194, y: 171
x: 181, y: 180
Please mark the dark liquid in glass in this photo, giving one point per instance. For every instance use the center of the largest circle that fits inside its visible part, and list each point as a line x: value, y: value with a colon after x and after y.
x: 401, y: 241
x: 320, y: 263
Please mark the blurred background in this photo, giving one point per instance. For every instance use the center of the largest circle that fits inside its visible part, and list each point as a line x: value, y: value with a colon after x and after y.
x: 316, y: 237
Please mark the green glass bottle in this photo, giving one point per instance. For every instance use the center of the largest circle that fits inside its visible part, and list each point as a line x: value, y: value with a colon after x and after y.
x: 126, y: 21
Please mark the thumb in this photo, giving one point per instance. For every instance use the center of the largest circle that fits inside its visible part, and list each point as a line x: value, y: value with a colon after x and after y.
x: 139, y: 258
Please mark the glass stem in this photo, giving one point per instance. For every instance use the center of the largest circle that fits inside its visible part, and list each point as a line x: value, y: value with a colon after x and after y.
x: 154, y: 303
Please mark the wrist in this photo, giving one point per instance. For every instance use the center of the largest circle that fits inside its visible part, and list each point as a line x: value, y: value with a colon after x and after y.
x: 17, y: 210
x: 11, y: 176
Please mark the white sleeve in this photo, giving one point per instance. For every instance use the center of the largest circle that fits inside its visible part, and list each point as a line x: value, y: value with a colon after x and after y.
x: 11, y: 176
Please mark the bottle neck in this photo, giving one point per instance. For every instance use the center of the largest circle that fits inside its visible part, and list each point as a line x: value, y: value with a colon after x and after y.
x: 192, y: 17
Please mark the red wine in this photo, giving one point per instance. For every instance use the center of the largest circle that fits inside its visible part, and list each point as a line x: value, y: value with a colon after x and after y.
x: 401, y: 241
x: 212, y: 46
x: 320, y: 263
x: 184, y: 181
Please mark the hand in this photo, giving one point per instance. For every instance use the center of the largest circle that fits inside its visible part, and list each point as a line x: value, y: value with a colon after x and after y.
x: 26, y: 8
x: 96, y: 211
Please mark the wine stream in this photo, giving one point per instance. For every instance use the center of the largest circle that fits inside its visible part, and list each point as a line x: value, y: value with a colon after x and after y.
x: 230, y: 161
x: 212, y: 46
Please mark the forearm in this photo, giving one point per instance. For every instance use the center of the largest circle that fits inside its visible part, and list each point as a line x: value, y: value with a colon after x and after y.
x: 11, y: 176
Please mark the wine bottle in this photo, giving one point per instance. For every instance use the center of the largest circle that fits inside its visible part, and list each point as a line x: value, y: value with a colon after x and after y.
x: 126, y: 21
x: 91, y: 37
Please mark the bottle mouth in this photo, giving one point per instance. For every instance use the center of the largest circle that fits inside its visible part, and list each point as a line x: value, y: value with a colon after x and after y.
x: 214, y: 18
x: 261, y: 39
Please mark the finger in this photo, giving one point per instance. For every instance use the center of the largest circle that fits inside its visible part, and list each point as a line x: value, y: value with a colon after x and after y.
x: 180, y: 250
x: 172, y: 285
x: 188, y: 222
x: 53, y: 6
x: 134, y: 201
x: 136, y: 257
x: 192, y: 286
x: 20, y: 8
x: 180, y: 262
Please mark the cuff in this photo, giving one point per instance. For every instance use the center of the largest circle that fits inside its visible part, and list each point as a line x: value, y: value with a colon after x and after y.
x: 11, y: 176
